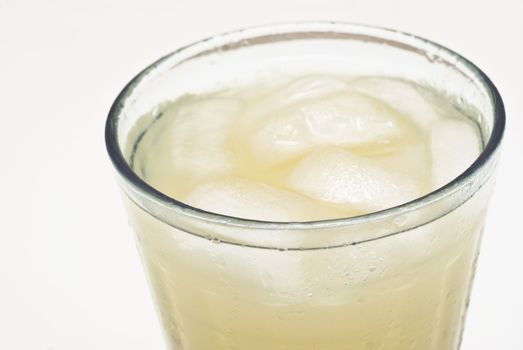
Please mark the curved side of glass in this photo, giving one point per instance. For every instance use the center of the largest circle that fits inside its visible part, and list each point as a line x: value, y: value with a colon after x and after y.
x: 396, y: 279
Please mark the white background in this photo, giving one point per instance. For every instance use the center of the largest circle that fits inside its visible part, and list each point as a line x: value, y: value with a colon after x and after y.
x: 70, y: 277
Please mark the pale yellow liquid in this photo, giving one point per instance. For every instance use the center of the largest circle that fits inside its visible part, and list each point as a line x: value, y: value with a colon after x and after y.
x: 263, y: 152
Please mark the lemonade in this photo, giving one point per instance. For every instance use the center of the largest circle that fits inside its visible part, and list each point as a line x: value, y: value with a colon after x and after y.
x: 306, y: 148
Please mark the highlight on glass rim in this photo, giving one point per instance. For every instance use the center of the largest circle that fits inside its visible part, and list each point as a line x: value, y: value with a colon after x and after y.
x: 309, y: 186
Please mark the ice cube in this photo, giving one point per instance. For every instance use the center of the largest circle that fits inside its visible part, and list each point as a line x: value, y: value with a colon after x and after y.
x: 196, y: 145
x: 267, y: 100
x: 455, y: 144
x: 244, y: 198
x: 199, y: 135
x: 348, y: 118
x: 279, y: 139
x: 313, y: 86
x: 337, y: 176
x: 400, y: 95
x: 413, y: 159
x: 279, y: 132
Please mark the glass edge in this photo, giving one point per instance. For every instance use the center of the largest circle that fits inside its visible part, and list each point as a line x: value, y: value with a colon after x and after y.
x: 124, y: 170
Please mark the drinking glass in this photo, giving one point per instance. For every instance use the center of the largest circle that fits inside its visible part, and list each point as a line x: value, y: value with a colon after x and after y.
x: 395, y: 279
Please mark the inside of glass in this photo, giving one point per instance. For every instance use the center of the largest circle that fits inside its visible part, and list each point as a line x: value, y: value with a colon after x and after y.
x: 245, y: 56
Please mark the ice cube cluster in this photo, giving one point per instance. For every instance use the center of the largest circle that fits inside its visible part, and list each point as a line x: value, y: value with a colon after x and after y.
x: 308, y: 148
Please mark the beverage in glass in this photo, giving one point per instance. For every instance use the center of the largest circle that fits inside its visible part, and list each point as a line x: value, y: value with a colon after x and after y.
x: 309, y: 186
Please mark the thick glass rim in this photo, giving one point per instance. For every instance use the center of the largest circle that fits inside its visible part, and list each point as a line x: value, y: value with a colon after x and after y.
x: 401, y: 39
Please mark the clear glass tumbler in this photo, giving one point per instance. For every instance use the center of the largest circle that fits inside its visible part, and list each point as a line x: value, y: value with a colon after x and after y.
x: 395, y: 279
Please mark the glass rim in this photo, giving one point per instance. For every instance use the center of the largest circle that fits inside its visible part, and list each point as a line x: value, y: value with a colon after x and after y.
x: 124, y: 169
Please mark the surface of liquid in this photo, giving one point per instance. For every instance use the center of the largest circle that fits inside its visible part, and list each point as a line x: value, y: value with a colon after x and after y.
x: 300, y: 149
x: 306, y: 148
